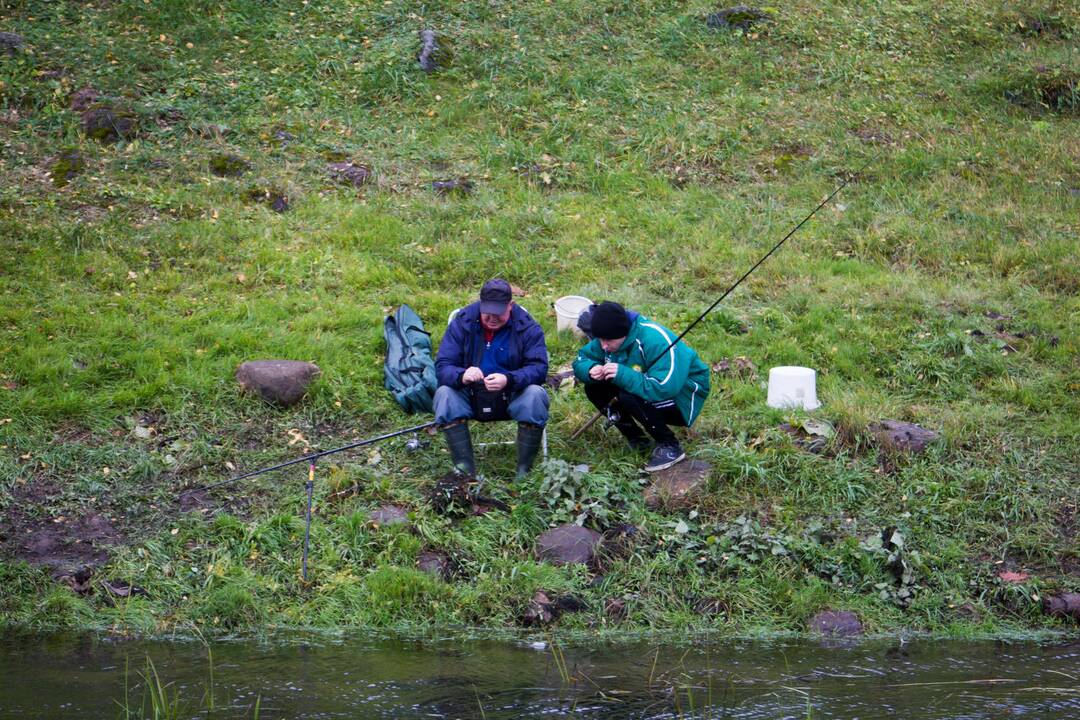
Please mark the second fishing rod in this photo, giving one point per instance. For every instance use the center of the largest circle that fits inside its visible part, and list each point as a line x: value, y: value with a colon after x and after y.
x: 600, y: 413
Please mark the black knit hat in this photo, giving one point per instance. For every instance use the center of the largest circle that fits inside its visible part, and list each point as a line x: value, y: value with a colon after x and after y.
x: 610, y: 321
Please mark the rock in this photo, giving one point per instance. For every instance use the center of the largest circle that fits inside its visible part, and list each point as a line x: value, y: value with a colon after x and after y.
x: 388, y: 515
x: 568, y: 545
x: 65, y: 167
x: 810, y: 442
x: 282, y: 382
x: 678, y: 486
x: 433, y: 54
x: 434, y: 563
x: 459, y: 186
x: 540, y: 611
x: 108, y: 125
x: 740, y: 17
x: 83, y: 99
x: 896, y: 436
x: 835, y: 623
x: 10, y: 43
x: 349, y: 172
x: 1064, y: 605
x: 273, y: 197
x: 228, y: 165
x: 544, y: 609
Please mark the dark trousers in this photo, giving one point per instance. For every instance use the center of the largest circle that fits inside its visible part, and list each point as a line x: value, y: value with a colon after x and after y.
x: 635, y: 413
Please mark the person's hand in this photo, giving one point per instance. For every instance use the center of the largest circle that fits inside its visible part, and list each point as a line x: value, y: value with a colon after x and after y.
x: 495, y: 382
x: 472, y: 375
x: 609, y: 370
x: 596, y: 372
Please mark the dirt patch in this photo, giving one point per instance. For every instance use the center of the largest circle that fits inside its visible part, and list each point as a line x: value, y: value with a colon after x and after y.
x: 679, y: 486
x: 66, y: 544
x: 874, y: 135
x: 694, y: 171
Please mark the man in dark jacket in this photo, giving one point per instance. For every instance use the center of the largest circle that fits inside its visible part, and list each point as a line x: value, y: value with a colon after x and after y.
x: 491, y: 365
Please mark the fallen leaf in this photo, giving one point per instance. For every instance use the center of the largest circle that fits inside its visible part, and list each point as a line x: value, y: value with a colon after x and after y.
x: 1013, y: 577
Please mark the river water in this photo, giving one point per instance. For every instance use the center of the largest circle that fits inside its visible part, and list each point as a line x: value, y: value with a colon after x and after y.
x: 363, y: 676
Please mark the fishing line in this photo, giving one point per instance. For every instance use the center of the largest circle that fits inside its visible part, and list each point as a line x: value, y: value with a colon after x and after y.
x: 823, y: 203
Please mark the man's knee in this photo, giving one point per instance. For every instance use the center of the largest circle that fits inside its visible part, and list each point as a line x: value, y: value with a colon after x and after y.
x: 534, y: 394
x: 450, y: 405
x: 629, y: 400
x: 531, y: 405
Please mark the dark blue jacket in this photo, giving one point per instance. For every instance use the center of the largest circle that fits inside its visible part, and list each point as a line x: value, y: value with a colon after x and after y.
x: 463, y: 345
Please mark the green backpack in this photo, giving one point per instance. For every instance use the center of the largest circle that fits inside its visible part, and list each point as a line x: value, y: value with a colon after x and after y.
x: 410, y: 371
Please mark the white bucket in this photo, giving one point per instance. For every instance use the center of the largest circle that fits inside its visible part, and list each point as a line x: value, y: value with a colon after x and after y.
x: 793, y: 388
x: 567, y: 311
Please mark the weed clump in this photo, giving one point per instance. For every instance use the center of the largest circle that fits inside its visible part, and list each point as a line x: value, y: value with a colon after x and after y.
x: 228, y: 165
x: 65, y: 167
x: 740, y: 17
x: 1053, y: 89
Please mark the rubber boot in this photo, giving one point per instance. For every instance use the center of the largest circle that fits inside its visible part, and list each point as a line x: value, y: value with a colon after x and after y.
x: 459, y: 442
x: 529, y: 438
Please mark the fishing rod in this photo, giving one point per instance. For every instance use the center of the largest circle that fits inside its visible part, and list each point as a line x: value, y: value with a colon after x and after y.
x: 600, y: 413
x: 312, y: 458
x: 309, y: 485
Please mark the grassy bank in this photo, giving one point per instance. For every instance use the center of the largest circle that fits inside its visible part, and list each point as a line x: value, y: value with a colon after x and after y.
x: 620, y: 150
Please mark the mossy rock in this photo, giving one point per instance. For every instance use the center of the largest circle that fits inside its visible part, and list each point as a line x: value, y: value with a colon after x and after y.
x: 435, y: 52
x: 65, y: 167
x: 228, y: 165
x: 106, y: 124
x: 10, y: 43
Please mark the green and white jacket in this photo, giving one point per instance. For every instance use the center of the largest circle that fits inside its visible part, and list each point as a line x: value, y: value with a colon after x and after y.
x: 677, y: 374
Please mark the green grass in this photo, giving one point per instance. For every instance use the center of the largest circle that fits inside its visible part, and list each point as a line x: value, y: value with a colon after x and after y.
x: 620, y: 150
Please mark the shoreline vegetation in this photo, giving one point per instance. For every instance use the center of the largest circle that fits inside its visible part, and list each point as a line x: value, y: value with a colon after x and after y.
x: 190, y: 185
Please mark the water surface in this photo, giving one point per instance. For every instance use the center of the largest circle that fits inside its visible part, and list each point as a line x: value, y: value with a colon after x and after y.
x: 372, y: 677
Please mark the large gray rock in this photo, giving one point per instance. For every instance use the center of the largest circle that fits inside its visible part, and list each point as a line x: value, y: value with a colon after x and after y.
x: 568, y: 545
x: 897, y: 436
x: 282, y: 382
x: 679, y: 486
x: 836, y: 623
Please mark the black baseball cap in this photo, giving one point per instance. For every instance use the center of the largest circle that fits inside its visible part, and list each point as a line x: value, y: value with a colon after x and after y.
x: 495, y: 296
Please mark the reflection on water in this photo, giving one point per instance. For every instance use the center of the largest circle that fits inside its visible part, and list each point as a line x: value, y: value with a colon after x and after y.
x: 361, y: 677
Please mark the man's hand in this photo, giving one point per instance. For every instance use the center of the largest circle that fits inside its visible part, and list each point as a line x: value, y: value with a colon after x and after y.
x: 495, y: 382
x: 472, y: 375
x: 596, y: 372
x: 609, y: 370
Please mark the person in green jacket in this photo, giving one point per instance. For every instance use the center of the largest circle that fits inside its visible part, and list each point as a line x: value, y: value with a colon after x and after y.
x: 654, y: 385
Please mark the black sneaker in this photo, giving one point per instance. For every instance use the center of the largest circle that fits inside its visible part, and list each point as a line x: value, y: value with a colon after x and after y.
x: 639, y: 445
x: 664, y: 456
